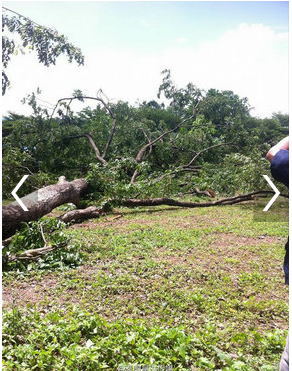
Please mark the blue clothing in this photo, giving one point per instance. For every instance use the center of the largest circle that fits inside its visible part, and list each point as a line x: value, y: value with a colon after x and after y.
x: 280, y: 167
x: 280, y: 172
x: 286, y: 263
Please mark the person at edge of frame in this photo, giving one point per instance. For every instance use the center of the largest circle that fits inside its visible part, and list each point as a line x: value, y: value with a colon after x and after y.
x: 279, y: 159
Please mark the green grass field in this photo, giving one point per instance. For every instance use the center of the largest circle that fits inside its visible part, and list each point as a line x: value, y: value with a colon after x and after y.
x: 194, y: 289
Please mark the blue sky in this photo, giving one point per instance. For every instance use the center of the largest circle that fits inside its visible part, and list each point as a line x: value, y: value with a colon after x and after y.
x: 125, y: 38
x: 142, y: 25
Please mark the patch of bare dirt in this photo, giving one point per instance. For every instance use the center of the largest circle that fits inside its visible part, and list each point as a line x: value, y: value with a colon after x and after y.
x: 29, y: 292
x: 226, y: 245
x: 37, y: 291
x: 120, y: 221
x: 229, y: 239
x: 89, y: 224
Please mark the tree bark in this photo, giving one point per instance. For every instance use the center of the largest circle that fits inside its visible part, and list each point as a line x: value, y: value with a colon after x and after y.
x: 171, y: 202
x: 40, y: 203
x: 93, y: 145
x: 44, y: 200
x: 75, y: 215
x: 93, y: 211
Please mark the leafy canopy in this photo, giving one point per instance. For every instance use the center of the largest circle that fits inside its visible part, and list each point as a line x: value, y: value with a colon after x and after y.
x: 225, y: 141
x: 47, y: 43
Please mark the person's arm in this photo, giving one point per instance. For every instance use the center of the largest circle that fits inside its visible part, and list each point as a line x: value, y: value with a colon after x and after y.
x: 283, y: 144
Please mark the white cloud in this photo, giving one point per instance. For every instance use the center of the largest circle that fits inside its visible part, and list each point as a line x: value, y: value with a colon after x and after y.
x: 144, y: 23
x: 182, y: 40
x: 251, y: 60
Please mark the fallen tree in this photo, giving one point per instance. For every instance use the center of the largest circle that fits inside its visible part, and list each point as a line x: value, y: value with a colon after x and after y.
x: 94, y: 211
x: 76, y: 215
x: 44, y: 200
x: 171, y: 202
x: 40, y: 203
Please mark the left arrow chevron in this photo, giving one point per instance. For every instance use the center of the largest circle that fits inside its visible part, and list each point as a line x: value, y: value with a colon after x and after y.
x: 16, y: 189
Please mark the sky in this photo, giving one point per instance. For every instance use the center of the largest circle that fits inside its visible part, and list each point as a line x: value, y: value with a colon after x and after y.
x: 240, y: 46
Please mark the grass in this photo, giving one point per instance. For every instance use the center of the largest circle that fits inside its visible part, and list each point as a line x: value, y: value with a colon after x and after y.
x: 194, y: 289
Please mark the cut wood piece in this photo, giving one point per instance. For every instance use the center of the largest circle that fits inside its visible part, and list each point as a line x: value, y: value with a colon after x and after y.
x: 113, y: 218
x: 81, y: 214
x: 40, y: 203
x: 206, y: 193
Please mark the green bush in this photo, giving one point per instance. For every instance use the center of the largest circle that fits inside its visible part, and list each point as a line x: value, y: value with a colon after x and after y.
x: 80, y: 341
x: 30, y: 237
x: 237, y: 173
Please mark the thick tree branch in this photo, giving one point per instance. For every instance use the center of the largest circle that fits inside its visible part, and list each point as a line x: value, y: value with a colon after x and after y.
x: 46, y: 199
x: 149, y: 141
x: 150, y: 144
x: 93, y: 145
x: 32, y: 254
x: 143, y: 150
x: 134, y: 176
x: 76, y: 215
x: 99, y: 99
x: 114, y: 124
x: 189, y: 167
x: 172, y: 202
x: 94, y: 212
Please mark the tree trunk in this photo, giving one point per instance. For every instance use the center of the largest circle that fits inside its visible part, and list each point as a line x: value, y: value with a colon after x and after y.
x: 40, y: 203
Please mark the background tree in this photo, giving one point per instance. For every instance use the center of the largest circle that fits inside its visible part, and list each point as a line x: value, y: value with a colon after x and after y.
x: 215, y: 147
x: 47, y: 43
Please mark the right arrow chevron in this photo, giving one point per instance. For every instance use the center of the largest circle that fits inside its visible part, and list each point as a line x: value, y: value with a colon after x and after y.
x: 275, y: 189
